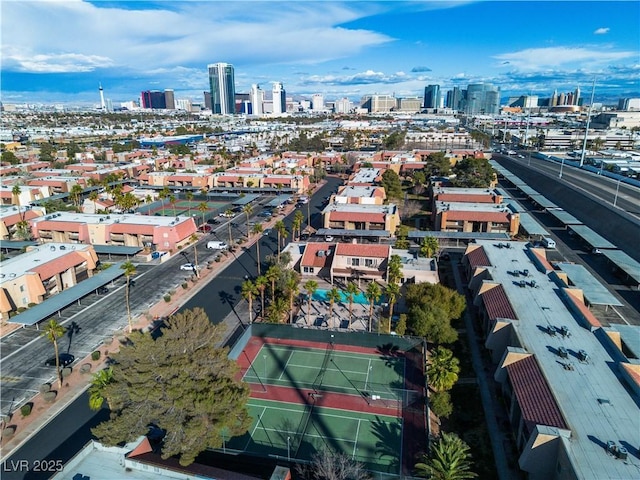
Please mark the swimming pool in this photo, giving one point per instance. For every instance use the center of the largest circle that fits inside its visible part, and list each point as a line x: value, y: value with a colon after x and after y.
x: 321, y: 294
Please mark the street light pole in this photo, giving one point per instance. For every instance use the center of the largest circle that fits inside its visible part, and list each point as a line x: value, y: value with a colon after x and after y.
x: 586, y: 130
x: 289, y: 449
x: 264, y: 358
x: 561, y: 167
x: 615, y: 199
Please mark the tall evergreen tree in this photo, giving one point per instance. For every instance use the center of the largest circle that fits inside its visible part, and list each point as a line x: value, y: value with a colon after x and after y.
x: 449, y: 460
x: 442, y: 369
x: 180, y: 382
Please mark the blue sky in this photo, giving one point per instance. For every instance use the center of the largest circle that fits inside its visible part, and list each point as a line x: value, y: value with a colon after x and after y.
x: 59, y: 51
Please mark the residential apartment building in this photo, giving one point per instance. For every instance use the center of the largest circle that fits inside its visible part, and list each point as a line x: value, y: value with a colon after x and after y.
x: 365, y: 195
x: 42, y: 271
x: 361, y: 217
x: 11, y: 216
x: 145, y: 231
x: 28, y: 194
x: 571, y: 386
x: 474, y: 217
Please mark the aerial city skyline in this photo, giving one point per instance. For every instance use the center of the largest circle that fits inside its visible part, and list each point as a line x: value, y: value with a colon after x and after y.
x: 337, y: 49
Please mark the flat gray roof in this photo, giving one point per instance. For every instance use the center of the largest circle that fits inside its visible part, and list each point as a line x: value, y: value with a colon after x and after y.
x: 54, y: 304
x: 116, y: 249
x: 565, y: 217
x: 625, y: 263
x: 354, y: 233
x: 527, y: 190
x: 591, y: 237
x: 594, y: 291
x: 279, y: 200
x: 579, y: 389
x: 630, y: 335
x: 543, y: 201
x: 17, y: 244
x: 531, y: 225
x: 251, y: 197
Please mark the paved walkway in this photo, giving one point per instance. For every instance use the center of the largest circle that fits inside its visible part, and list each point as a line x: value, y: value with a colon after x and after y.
x: 77, y: 382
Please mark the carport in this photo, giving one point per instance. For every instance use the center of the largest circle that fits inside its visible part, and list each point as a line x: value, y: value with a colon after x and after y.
x: 58, y: 302
x: 592, y: 238
x: 594, y: 292
x: 629, y: 266
x: 375, y: 235
x: 116, y: 250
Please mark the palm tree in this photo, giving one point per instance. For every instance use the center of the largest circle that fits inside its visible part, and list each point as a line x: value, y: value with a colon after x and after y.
x: 310, y: 287
x: 172, y: 201
x: 449, y: 460
x: 442, y: 369
x: 164, y: 193
x: 228, y: 214
x: 16, y: 191
x: 272, y: 274
x: 53, y: 331
x: 394, y: 272
x: 276, y: 310
x: 129, y: 271
x: 429, y: 246
x: 351, y: 291
x: 372, y: 293
x: 281, y: 229
x: 247, y: 210
x: 93, y: 196
x: 75, y: 193
x: 249, y: 292
x: 333, y: 296
x: 194, y: 239
x: 189, y: 197
x: 291, y: 286
x: 392, y: 291
x: 261, y: 285
x: 148, y: 200
x: 257, y: 230
x: 202, y: 207
x: 309, y: 193
x: 99, y: 380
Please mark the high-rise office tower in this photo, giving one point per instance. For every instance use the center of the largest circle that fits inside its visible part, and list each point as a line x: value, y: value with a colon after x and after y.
x: 222, y: 88
x: 576, y: 96
x: 169, y: 99
x: 207, y: 100
x: 153, y: 99
x: 317, y: 102
x: 279, y: 98
x: 343, y: 105
x: 482, y: 98
x: 454, y: 98
x: 432, y: 96
x: 257, y: 100
x: 103, y: 106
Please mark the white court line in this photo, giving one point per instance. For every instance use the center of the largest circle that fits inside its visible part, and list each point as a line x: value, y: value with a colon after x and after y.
x: 356, y: 442
x: 366, y: 380
x: 326, y: 414
x: 264, y: 409
x: 285, y: 365
x: 312, y: 435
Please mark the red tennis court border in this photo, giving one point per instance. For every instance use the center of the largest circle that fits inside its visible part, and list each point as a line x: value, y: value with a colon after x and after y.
x: 414, y: 415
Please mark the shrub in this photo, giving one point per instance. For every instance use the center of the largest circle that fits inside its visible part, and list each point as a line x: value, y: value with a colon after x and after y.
x: 95, y: 355
x: 217, y: 259
x: 21, y: 309
x: 167, y: 298
x: 8, y: 431
x: 179, y: 247
x: 31, y: 304
x: 65, y: 372
x: 45, y: 387
x: 107, y: 340
x: 440, y: 404
x: 25, y: 410
x: 85, y: 368
x: 185, y: 285
x: 50, y: 396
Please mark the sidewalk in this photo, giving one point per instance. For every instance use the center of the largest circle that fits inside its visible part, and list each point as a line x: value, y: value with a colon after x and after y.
x: 78, y: 381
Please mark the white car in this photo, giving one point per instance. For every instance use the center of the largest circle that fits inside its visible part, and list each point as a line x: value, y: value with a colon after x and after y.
x: 190, y: 267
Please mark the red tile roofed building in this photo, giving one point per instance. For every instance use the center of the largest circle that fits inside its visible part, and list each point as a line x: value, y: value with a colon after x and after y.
x: 58, y: 185
x: 316, y: 259
x: 459, y: 218
x: 9, y: 219
x: 360, y: 262
x: 361, y: 217
x: 43, y: 271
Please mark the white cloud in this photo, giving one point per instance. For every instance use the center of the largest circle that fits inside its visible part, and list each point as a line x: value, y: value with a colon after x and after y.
x: 184, y: 33
x: 601, y: 31
x: 554, y: 57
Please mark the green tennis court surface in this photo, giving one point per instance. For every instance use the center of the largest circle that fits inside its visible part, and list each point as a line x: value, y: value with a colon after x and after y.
x: 328, y: 370
x: 297, y: 432
x: 184, y: 207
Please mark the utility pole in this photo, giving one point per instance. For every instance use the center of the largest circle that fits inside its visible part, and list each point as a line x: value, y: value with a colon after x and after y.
x: 586, y: 130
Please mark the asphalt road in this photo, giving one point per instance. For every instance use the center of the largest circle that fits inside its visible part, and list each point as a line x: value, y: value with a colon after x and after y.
x: 70, y: 430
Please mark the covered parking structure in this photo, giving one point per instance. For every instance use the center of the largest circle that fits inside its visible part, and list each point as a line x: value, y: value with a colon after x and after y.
x: 531, y: 226
x: 58, y: 302
x: 624, y: 264
x: 279, y: 200
x: 120, y: 250
x: 245, y: 200
x: 370, y: 235
x: 454, y: 239
x: 564, y: 217
x: 594, y: 292
x: 591, y: 238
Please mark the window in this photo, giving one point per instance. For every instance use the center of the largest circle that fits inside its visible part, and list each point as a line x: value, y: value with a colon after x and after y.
x: 355, y: 262
x: 369, y: 262
x: 308, y: 269
x: 22, y: 288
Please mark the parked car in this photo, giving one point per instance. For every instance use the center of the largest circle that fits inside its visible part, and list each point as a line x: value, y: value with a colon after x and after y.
x: 190, y: 267
x: 266, y: 214
x: 102, y: 290
x: 329, y: 238
x: 213, y: 221
x: 64, y: 358
x: 215, y: 244
x: 205, y: 228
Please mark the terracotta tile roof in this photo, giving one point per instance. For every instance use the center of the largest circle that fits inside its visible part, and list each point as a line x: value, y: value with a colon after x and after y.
x: 356, y: 217
x: 584, y: 310
x: 496, y: 302
x: 310, y: 256
x: 534, y: 396
x: 132, y: 228
x: 360, y: 250
x: 496, y: 217
x: 59, y: 226
x: 58, y: 265
x: 465, y: 197
x: 478, y: 258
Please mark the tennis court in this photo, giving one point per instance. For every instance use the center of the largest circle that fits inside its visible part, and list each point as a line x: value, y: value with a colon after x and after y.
x: 331, y: 370
x: 185, y: 207
x: 297, y: 432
